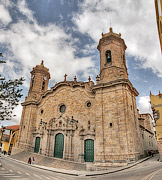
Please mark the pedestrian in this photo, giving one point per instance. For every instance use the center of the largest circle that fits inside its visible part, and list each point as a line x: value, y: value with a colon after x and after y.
x: 33, y: 159
x: 29, y: 160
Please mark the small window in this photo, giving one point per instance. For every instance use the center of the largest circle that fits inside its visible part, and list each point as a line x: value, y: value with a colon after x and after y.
x: 108, y: 56
x: 89, y: 104
x: 42, y: 111
x: 62, y: 108
x: 43, y: 85
x: 60, y: 123
x: 110, y: 124
x: 123, y: 57
x: 32, y: 83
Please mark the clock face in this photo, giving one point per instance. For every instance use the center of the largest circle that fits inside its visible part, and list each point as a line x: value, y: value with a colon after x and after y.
x: 44, y: 78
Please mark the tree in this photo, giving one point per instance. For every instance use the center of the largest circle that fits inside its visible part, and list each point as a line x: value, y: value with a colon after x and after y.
x: 10, y: 94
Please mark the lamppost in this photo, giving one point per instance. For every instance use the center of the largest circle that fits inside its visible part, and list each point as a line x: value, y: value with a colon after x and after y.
x: 72, y: 121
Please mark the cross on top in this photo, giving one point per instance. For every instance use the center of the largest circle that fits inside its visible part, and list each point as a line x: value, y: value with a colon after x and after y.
x: 65, y: 77
x: 89, y: 79
x: 75, y: 78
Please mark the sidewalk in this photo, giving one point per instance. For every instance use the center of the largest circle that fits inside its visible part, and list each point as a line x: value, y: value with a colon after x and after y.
x: 81, y: 173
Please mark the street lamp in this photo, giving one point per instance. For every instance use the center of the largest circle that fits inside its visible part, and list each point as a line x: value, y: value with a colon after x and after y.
x: 74, y: 121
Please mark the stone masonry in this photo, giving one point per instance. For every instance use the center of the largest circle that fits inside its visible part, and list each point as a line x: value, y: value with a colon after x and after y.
x: 84, y: 121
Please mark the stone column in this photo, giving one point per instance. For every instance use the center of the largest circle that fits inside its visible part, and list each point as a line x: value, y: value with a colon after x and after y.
x: 71, y: 148
x: 81, y: 155
x: 51, y: 144
x: 48, y: 143
x: 66, y: 146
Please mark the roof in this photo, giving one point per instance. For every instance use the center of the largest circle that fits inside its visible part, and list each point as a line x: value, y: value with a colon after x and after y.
x: 14, y: 127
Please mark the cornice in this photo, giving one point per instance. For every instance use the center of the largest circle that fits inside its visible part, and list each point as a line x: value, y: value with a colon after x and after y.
x: 108, y: 39
x: 114, y: 83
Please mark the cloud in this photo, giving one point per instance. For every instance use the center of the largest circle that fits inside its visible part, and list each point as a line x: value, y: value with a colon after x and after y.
x: 29, y: 42
x: 5, y: 17
x: 144, y: 105
x: 24, y: 10
x: 134, y: 19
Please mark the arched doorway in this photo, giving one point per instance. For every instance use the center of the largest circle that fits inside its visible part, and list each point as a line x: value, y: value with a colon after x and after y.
x: 89, y: 150
x: 59, y: 145
x: 37, y: 144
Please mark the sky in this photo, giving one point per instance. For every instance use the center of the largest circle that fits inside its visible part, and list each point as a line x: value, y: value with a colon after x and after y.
x: 65, y: 34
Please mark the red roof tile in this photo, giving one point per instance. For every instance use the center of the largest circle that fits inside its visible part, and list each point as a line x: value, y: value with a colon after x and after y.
x: 14, y: 127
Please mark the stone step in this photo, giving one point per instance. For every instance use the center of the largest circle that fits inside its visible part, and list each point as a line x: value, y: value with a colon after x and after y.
x: 49, y: 161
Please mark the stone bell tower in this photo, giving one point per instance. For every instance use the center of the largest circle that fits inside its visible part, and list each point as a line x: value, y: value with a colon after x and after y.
x: 117, y: 128
x: 39, y: 80
x: 112, y: 57
x: 39, y: 84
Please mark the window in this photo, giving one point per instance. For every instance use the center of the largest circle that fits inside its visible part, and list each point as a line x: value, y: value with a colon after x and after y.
x: 43, y: 85
x: 62, y: 108
x: 108, y: 56
x: 159, y: 7
x: 60, y: 123
x: 32, y: 83
x: 89, y: 104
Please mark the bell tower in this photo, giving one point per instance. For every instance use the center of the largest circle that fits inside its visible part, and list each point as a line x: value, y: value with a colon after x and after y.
x: 112, y: 57
x: 117, y: 126
x: 39, y: 84
x: 39, y: 80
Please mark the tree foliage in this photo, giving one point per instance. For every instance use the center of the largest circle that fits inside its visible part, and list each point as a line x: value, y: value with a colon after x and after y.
x: 10, y: 94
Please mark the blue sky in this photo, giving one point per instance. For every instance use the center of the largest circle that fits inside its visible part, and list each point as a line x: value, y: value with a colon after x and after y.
x: 65, y: 35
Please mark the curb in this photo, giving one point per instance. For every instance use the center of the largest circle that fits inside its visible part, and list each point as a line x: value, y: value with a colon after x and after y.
x: 80, y: 173
x: 117, y: 170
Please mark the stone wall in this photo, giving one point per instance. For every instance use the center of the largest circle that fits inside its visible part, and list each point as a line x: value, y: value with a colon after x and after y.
x: 160, y: 148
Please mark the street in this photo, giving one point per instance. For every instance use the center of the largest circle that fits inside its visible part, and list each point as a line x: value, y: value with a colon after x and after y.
x: 12, y: 170
x: 17, y: 171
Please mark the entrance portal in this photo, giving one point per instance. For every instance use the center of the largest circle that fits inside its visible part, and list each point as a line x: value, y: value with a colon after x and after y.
x: 37, y: 145
x: 89, y: 150
x: 59, y: 145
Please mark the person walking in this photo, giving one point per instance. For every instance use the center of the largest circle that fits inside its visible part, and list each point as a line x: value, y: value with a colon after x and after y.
x: 33, y: 159
x: 29, y: 160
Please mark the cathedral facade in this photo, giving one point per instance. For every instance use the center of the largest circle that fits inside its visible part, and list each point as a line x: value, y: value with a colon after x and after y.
x: 84, y: 121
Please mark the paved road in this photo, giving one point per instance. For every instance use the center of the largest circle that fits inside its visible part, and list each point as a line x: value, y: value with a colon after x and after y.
x: 12, y: 170
x: 148, y: 170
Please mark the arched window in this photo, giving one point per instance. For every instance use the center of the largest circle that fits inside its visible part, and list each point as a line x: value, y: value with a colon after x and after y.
x: 60, y: 123
x: 32, y: 81
x: 43, y: 85
x: 108, y: 56
x: 32, y: 84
